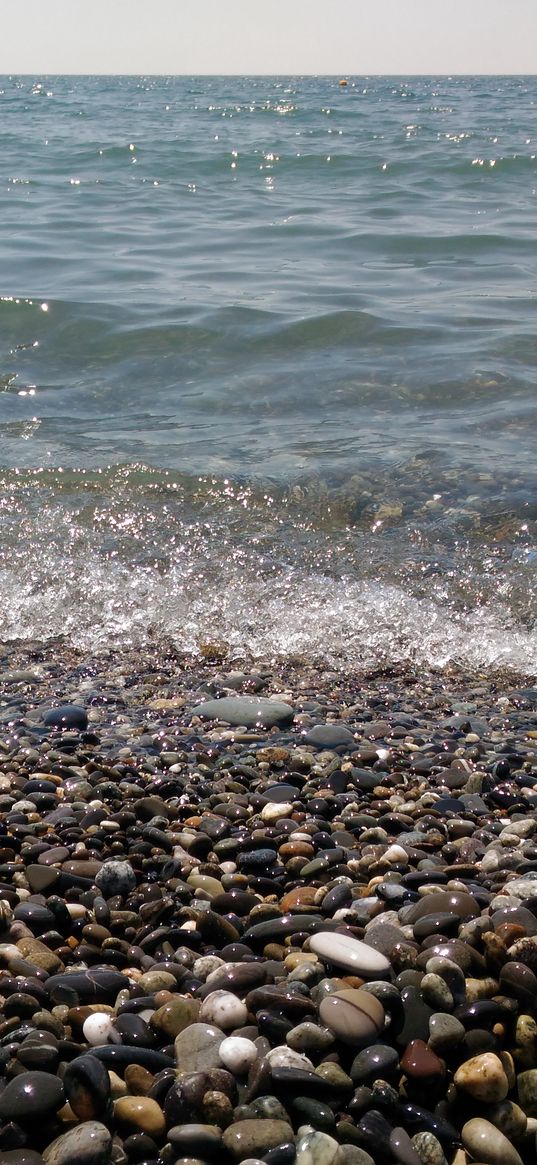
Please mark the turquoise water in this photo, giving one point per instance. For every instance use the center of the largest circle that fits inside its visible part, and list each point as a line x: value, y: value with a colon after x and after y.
x: 267, y: 364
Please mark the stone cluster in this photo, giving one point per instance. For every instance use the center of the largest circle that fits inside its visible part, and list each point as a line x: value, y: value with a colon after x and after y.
x: 257, y: 915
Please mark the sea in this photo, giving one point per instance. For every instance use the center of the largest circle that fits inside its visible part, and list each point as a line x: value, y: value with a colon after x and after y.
x: 268, y: 363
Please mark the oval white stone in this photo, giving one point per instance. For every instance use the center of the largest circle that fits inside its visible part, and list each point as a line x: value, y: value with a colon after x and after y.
x: 351, y: 953
x: 224, y: 1010
x: 98, y: 1028
x: 237, y: 1054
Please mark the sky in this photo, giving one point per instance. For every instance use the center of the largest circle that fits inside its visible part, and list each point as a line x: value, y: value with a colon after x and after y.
x: 345, y: 37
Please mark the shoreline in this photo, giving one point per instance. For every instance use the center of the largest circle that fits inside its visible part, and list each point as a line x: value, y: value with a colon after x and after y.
x: 189, y: 907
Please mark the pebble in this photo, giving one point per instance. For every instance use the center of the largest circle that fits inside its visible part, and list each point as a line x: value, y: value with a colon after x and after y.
x: 483, y: 1078
x: 316, y: 1148
x: 352, y: 954
x: 254, y: 1138
x: 31, y: 1096
x: 197, y: 1048
x: 224, y: 1010
x: 487, y: 1144
x: 140, y: 1112
x: 66, y: 716
x: 355, y: 1017
x: 249, y: 711
x: 98, y: 1028
x: 89, y: 1143
x: 237, y: 1054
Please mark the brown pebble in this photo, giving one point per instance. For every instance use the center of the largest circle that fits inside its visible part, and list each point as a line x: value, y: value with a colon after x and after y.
x: 140, y: 1114
x: 138, y: 1080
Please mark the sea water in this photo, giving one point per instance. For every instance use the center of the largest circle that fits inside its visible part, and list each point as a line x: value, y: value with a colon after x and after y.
x: 268, y: 355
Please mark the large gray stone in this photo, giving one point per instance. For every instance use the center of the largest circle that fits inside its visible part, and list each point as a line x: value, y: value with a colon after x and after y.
x: 250, y: 711
x: 329, y: 736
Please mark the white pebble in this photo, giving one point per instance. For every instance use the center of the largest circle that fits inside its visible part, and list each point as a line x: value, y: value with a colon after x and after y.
x: 273, y: 811
x: 285, y: 1057
x: 349, y: 952
x: 237, y: 1053
x: 224, y: 1010
x: 206, y: 965
x: 98, y: 1028
x: 396, y: 855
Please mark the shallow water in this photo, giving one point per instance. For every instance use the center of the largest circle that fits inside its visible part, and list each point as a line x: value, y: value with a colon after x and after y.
x: 267, y: 365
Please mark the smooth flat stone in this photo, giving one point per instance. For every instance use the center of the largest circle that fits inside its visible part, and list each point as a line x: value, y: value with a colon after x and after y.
x: 416, y: 1017
x: 281, y: 793
x: 42, y: 878
x: 118, y: 1056
x: 346, y: 951
x: 355, y: 1017
x: 66, y: 716
x: 140, y: 1113
x: 487, y: 1144
x: 197, y: 1048
x: 253, y: 1138
x: 329, y: 736
x: 196, y: 1139
x: 443, y: 902
x: 249, y: 711
x: 31, y: 1095
x: 87, y: 1144
x: 90, y: 986
x: 284, y: 924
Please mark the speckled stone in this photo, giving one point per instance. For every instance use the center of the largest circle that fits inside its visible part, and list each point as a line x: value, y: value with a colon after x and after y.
x: 429, y: 1149
x: 309, y: 1037
x: 445, y: 1032
x: 89, y: 1143
x: 527, y: 1091
x: 197, y: 1048
x: 253, y: 1138
x: 237, y: 1054
x: 223, y: 1009
x: 316, y: 1148
x: 483, y: 1078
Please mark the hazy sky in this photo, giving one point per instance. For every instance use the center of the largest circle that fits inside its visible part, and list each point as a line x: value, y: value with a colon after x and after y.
x: 268, y: 36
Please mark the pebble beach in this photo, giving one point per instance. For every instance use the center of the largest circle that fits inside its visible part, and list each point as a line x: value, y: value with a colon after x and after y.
x: 276, y: 913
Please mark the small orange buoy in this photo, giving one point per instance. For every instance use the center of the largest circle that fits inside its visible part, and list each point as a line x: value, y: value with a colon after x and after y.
x: 343, y: 82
